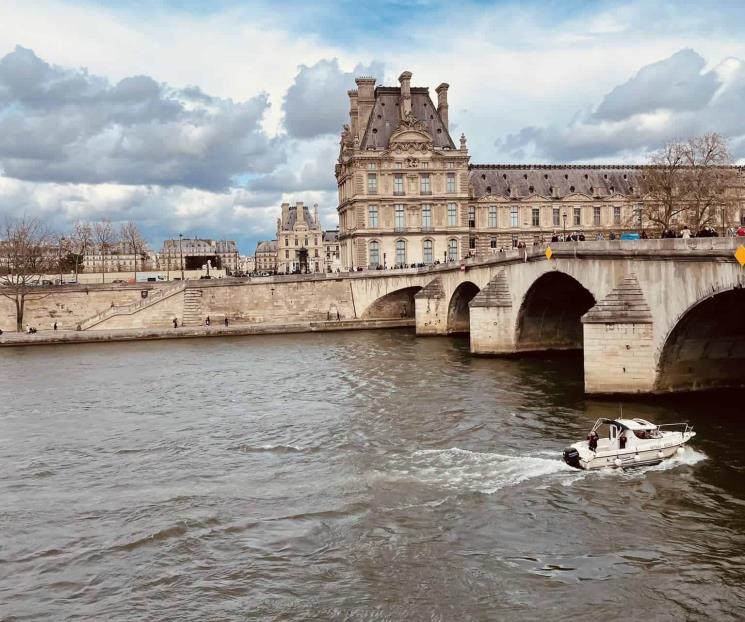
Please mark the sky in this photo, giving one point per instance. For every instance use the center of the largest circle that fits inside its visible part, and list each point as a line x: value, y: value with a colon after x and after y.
x: 201, y: 118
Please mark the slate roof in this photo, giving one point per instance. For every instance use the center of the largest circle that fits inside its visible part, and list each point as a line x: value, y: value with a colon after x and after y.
x: 625, y: 304
x: 386, y: 116
x: 332, y: 235
x: 292, y: 218
x: 523, y: 180
x: 267, y: 246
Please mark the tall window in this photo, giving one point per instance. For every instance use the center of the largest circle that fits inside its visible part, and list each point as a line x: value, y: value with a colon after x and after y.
x: 372, y: 217
x: 424, y: 187
x: 372, y: 183
x: 400, y: 252
x: 616, y: 215
x: 514, y: 217
x: 452, y: 215
x: 427, y: 216
x: 556, y: 217
x: 453, y: 249
x: 429, y: 252
x: 471, y: 215
x: 577, y: 216
x: 492, y: 242
x: 535, y: 217
x: 374, y: 250
x: 398, y: 184
x: 493, y: 216
x: 371, y: 166
x: 450, y: 182
x: 596, y: 216
x: 398, y: 216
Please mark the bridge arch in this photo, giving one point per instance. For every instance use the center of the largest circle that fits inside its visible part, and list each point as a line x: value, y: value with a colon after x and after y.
x: 705, y: 349
x: 393, y: 305
x: 459, y: 313
x: 550, y: 314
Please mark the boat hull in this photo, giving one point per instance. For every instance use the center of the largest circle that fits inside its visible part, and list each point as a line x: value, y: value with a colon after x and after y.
x: 585, y: 459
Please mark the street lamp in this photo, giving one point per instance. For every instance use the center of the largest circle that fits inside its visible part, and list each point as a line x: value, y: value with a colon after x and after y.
x: 59, y: 257
x: 565, y: 226
x: 181, y: 254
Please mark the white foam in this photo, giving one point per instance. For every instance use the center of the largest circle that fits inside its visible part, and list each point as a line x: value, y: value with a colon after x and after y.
x: 461, y: 469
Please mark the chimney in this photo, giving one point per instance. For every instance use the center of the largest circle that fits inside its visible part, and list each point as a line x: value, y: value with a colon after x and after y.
x: 315, y: 214
x: 442, y: 102
x: 300, y: 212
x: 365, y: 99
x: 353, y: 113
x: 285, y: 214
x: 405, y: 80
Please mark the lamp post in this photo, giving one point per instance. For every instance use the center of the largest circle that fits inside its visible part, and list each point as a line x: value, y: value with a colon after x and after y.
x: 565, y: 226
x: 181, y: 254
x: 59, y: 257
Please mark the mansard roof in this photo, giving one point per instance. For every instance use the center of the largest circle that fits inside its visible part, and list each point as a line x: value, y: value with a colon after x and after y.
x: 267, y: 246
x: 386, y: 117
x: 292, y: 218
x: 331, y: 235
x: 523, y: 180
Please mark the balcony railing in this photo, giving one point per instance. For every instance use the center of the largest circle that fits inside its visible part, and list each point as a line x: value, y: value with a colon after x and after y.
x: 427, y: 228
x: 425, y: 193
x: 399, y: 193
x: 400, y: 229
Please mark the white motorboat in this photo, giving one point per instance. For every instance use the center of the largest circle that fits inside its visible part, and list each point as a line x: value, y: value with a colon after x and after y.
x: 627, y: 443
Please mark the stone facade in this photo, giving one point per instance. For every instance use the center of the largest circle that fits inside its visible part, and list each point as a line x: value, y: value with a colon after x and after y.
x: 408, y: 195
x: 300, y: 246
x: 119, y: 258
x: 331, y: 254
x: 193, y: 253
x: 265, y: 258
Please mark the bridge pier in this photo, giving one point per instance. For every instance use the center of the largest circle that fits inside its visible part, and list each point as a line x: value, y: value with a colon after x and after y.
x: 492, y: 323
x: 619, y: 355
x: 431, y: 309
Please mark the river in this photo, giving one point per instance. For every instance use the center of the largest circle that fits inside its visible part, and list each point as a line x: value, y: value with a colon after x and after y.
x: 349, y: 476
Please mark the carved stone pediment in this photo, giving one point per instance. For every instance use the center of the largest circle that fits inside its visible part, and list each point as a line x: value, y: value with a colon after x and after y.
x: 410, y: 135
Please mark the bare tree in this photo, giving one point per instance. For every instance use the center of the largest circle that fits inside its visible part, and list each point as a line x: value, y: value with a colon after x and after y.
x: 81, y: 242
x: 103, y: 236
x: 665, y: 186
x: 709, y: 176
x: 24, y: 258
x: 132, y: 238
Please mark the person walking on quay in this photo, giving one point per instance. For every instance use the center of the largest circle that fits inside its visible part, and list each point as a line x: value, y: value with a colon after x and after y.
x: 741, y: 232
x: 54, y: 326
x: 207, y: 321
x: 175, y: 322
x: 226, y: 321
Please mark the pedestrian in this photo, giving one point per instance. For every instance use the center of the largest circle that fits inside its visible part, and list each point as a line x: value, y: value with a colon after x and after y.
x: 175, y: 322
x: 685, y: 233
x: 55, y: 326
x: 226, y: 321
x: 741, y: 232
x: 207, y: 321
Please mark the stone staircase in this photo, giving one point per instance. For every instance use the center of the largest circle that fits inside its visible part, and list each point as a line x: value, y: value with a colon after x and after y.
x: 154, y: 297
x: 192, y: 308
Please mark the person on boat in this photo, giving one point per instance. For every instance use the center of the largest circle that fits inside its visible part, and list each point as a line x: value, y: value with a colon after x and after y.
x: 592, y: 440
x: 622, y: 440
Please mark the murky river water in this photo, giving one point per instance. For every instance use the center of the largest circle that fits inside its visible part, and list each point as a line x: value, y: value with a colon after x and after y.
x: 351, y: 476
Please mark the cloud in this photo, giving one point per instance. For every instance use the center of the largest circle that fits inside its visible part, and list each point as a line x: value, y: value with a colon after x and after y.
x: 665, y: 100
x: 65, y: 125
x: 676, y: 83
x: 316, y: 103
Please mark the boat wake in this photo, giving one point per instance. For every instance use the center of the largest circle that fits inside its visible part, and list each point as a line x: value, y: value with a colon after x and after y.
x: 461, y: 469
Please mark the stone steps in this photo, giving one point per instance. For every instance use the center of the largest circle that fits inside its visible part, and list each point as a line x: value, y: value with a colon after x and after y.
x: 192, y: 315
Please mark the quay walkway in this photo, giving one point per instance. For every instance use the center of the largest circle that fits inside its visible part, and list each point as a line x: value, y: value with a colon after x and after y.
x: 51, y: 337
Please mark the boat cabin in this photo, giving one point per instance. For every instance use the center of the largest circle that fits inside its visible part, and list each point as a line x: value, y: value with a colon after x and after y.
x: 616, y: 434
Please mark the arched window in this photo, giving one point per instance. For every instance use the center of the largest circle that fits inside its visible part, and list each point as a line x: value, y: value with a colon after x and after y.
x: 374, y: 251
x: 453, y: 249
x: 400, y: 252
x: 428, y: 252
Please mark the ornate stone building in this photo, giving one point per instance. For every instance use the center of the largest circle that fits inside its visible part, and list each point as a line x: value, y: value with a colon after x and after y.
x: 331, y: 250
x: 299, y: 240
x: 194, y: 253
x: 409, y: 195
x: 265, y: 258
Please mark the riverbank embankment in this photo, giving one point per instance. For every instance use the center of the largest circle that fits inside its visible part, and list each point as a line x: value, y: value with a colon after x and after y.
x: 51, y: 337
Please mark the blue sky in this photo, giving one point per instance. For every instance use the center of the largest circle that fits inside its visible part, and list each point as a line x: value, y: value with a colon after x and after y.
x: 202, y: 117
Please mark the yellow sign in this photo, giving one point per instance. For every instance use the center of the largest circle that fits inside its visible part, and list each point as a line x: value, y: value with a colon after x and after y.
x: 740, y: 255
x: 549, y: 252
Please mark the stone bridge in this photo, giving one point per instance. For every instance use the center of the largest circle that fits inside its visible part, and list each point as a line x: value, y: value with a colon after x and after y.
x: 650, y: 316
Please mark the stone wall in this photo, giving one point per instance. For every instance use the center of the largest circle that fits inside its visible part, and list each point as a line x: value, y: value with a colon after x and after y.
x: 619, y: 358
